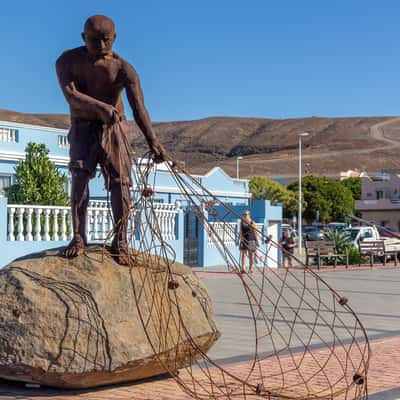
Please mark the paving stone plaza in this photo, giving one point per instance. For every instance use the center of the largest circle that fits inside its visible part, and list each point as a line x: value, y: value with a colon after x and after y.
x: 373, y: 293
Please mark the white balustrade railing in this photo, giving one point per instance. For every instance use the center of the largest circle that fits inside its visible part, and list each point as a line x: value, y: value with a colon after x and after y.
x: 166, y: 216
x: 8, y: 135
x: 63, y: 141
x: 54, y: 223
x: 225, y: 231
x: 99, y: 204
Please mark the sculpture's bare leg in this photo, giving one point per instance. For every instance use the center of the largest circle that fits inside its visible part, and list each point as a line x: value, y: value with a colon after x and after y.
x: 120, y: 203
x: 79, y: 204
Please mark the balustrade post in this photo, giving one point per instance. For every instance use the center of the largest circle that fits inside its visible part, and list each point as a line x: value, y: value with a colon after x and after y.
x: 158, y: 218
x: 88, y: 224
x: 55, y: 224
x: 95, y: 223
x: 20, y: 226
x: 28, y: 236
x: 103, y: 219
x: 167, y: 222
x: 165, y: 218
x: 110, y: 224
x: 171, y: 225
x: 11, y: 226
x: 38, y: 227
x: 64, y: 212
x: 164, y: 233
x: 71, y: 227
x: 46, y: 233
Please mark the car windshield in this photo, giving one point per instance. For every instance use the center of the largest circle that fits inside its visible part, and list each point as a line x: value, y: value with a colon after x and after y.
x: 351, y: 232
x: 310, y: 229
x: 337, y: 227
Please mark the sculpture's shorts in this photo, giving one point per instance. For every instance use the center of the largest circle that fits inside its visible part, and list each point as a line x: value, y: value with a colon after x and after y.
x: 86, y: 152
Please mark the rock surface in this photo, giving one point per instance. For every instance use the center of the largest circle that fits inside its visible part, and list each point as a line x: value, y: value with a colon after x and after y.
x: 88, y: 321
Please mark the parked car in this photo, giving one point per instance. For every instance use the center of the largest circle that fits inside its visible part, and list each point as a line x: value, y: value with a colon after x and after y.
x: 312, y: 232
x: 336, y: 226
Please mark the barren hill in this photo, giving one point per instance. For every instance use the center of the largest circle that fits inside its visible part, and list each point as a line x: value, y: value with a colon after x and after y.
x: 268, y: 146
x: 54, y: 120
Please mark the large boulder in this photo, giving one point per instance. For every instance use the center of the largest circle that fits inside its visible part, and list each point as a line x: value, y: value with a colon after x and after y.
x: 88, y: 321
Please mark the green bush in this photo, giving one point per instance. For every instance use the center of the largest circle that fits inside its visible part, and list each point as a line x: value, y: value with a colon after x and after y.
x: 38, y: 180
x: 343, y: 245
x: 354, y: 255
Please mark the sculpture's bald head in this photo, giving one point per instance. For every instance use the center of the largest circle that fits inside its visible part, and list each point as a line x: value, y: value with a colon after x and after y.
x: 99, y: 23
x: 99, y: 35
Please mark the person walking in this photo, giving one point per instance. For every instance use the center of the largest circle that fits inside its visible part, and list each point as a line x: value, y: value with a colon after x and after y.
x: 288, y: 244
x: 248, y: 241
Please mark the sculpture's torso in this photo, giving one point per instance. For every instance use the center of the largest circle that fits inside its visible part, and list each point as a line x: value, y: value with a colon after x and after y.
x: 102, y: 79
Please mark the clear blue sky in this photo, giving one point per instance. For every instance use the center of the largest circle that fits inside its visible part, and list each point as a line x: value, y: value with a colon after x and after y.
x: 259, y: 58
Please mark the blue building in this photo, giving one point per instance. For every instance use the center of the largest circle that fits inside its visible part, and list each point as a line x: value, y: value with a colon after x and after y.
x: 29, y: 228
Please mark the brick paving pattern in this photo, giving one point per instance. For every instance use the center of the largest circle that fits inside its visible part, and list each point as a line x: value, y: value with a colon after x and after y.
x: 384, y: 374
x: 373, y: 293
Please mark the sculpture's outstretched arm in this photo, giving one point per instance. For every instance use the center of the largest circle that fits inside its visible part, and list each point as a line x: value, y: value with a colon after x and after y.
x: 135, y: 97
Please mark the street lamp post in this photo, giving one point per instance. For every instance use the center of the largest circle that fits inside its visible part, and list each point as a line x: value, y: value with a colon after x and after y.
x: 237, y: 166
x: 299, y: 216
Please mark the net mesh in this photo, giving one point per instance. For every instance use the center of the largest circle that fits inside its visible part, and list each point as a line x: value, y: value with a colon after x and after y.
x: 306, y: 341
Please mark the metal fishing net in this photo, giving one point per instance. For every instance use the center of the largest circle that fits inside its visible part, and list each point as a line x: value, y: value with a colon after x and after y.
x: 307, y: 342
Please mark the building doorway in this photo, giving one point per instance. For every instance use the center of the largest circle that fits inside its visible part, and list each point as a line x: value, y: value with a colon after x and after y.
x: 191, y: 240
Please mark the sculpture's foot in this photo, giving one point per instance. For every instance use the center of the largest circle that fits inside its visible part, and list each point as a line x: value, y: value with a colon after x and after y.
x: 75, y: 248
x: 121, y: 253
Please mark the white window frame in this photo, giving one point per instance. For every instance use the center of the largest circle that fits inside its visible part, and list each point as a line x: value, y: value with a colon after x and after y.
x: 12, y: 181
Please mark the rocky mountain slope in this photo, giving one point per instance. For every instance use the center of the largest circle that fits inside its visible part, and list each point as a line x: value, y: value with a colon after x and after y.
x: 268, y: 146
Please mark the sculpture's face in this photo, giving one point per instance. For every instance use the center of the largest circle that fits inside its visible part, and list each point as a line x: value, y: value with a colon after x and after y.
x: 99, y: 37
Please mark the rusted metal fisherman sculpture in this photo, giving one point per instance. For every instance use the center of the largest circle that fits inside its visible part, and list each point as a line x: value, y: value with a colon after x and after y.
x: 92, y: 78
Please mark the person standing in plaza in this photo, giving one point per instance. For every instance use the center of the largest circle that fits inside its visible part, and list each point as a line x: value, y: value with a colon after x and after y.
x: 288, y: 244
x: 248, y: 241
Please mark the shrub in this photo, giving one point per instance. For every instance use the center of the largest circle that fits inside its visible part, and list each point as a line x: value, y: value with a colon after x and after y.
x: 343, y: 245
x: 38, y: 180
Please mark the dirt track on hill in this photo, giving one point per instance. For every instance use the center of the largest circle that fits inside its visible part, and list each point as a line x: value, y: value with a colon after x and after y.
x: 381, y: 156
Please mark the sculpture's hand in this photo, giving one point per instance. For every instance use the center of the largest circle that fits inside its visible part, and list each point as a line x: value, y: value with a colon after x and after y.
x: 109, y: 114
x: 159, y: 153
x: 106, y: 112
